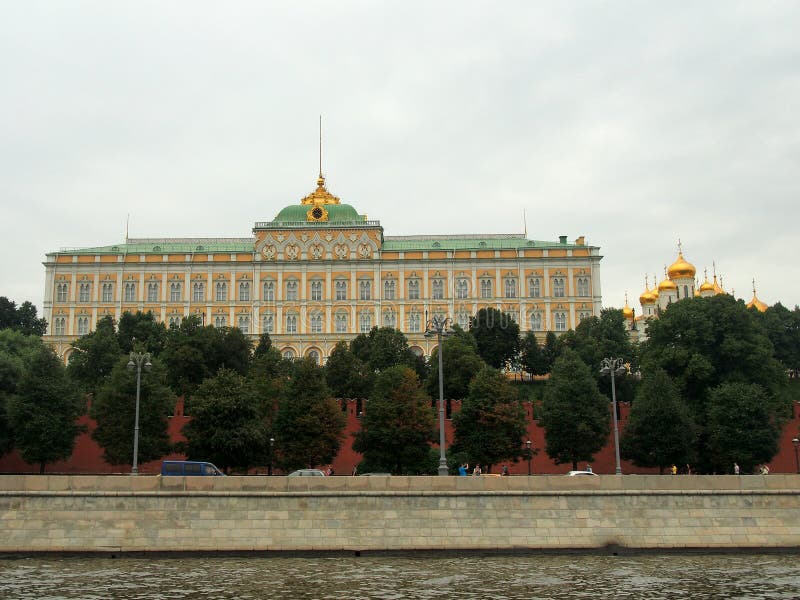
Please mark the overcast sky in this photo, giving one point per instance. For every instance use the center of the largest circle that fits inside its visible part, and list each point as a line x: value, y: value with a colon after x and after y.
x: 633, y: 123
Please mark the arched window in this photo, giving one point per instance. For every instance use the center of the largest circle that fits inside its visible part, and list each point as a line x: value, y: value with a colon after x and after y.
x: 316, y: 323
x: 462, y: 288
x: 341, y: 289
x: 414, y: 322
x: 413, y: 289
x: 62, y: 292
x: 268, y: 323
x: 389, y: 319
x: 486, y: 288
x: 244, y: 324
x: 365, y: 322
x: 244, y: 291
x: 313, y: 355
x: 561, y: 321
x: 510, y: 287
x: 462, y: 319
x: 536, y: 321
x: 268, y: 292
x: 558, y: 287
x: 583, y: 286
x: 175, y: 292
x: 365, y: 290
x: 130, y: 291
x: 108, y: 292
x: 84, y: 292
x: 219, y: 321
x: 152, y: 291
x: 60, y: 326
x: 389, y: 290
x: 198, y: 291
x: 291, y: 290
x: 83, y: 325
x: 221, y: 291
x: 291, y: 323
x: 340, y: 322
x: 438, y: 289
x: 535, y: 287
x: 316, y: 290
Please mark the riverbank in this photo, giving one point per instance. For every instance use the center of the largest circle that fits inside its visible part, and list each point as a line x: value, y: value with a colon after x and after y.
x: 118, y: 514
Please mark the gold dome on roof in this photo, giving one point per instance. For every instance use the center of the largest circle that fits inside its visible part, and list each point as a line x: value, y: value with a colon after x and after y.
x: 755, y: 302
x: 667, y: 284
x: 681, y: 269
x: 320, y: 195
x: 648, y: 296
x: 627, y: 311
x: 706, y: 286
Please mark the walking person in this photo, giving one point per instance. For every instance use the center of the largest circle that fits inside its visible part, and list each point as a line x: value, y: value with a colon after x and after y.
x: 735, y: 468
x: 476, y: 471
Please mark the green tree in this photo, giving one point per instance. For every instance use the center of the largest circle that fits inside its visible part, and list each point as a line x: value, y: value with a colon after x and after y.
x: 782, y: 326
x: 744, y: 426
x: 44, y: 411
x: 194, y: 352
x: 659, y: 431
x: 22, y: 319
x: 94, y: 355
x: 704, y: 342
x: 143, y: 329
x: 382, y: 348
x: 348, y: 376
x: 16, y: 351
x: 460, y: 363
x: 533, y: 359
x: 398, y: 426
x: 114, y: 409
x: 574, y: 414
x: 551, y: 350
x: 227, y: 427
x: 264, y: 345
x: 497, y: 336
x: 309, y: 423
x: 490, y: 427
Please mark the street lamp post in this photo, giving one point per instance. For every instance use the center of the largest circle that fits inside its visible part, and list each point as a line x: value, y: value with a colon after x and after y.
x: 796, y: 443
x: 438, y: 327
x: 137, y: 361
x: 528, y: 448
x: 614, y: 367
x: 271, y: 446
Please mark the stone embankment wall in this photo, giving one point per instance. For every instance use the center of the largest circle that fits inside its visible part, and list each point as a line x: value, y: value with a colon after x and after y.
x: 150, y: 513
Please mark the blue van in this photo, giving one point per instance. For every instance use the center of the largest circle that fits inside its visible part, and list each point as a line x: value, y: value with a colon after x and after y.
x: 189, y: 467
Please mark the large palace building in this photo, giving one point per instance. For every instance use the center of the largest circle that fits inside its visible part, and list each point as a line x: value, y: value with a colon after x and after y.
x: 319, y: 273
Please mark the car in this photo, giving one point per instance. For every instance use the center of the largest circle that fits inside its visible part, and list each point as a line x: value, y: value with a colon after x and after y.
x: 307, y: 473
x: 577, y: 473
x: 189, y: 467
x: 376, y: 475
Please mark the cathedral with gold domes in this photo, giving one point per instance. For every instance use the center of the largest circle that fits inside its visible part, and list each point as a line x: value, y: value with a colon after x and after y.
x: 679, y: 282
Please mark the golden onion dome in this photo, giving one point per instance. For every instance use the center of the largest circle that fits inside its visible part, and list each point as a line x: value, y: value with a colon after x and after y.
x: 755, y: 302
x: 706, y: 286
x: 648, y: 296
x: 627, y: 311
x: 681, y: 269
x: 667, y: 285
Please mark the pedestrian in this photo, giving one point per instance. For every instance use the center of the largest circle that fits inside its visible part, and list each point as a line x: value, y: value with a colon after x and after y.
x: 688, y: 469
x: 476, y: 471
x: 735, y: 468
x: 462, y: 469
x: 355, y: 470
x: 674, y: 469
x: 505, y: 471
x: 588, y: 468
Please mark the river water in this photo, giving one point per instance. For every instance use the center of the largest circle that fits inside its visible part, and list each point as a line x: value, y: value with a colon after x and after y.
x: 530, y: 577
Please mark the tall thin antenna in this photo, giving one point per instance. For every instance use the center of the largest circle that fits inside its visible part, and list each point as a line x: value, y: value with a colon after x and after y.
x: 127, y: 225
x: 320, y: 145
x: 525, y: 222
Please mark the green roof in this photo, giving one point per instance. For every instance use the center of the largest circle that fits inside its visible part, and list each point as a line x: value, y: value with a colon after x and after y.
x: 336, y: 213
x: 466, y: 242
x: 169, y: 246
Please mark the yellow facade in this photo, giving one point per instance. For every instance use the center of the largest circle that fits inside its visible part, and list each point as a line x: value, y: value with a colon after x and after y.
x: 319, y: 273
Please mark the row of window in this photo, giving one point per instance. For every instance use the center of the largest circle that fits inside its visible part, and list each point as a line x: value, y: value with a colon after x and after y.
x: 340, y: 322
x: 221, y: 290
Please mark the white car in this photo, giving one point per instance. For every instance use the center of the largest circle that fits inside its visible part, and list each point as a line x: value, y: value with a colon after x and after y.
x: 575, y: 473
x: 307, y: 473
